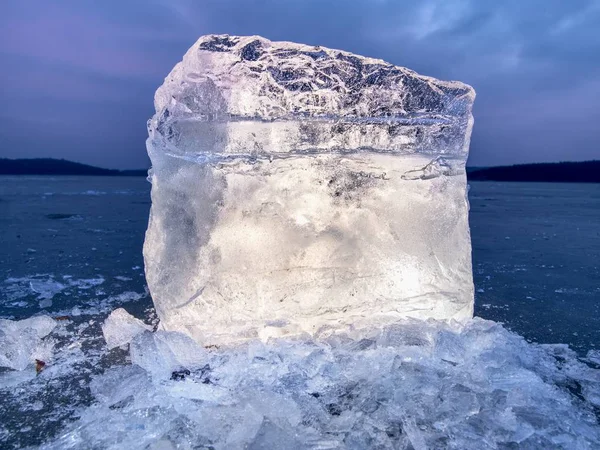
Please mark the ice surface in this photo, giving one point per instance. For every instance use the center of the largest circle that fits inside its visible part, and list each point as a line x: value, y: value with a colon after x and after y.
x: 165, y: 352
x: 120, y: 328
x: 299, y: 189
x: 411, y: 385
x: 21, y: 341
x: 46, y: 289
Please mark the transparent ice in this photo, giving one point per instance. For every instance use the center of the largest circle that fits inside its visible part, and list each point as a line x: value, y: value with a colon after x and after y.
x: 21, y: 341
x: 299, y: 190
x: 165, y: 352
x: 120, y: 328
x: 410, y: 385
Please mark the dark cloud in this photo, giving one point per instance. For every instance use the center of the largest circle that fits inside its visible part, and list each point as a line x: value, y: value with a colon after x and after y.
x: 78, y: 76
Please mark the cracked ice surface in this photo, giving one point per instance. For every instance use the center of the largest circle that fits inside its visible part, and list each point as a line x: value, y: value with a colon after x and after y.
x: 301, y: 190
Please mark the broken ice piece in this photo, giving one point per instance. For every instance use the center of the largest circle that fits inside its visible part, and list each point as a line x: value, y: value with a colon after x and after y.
x: 120, y: 328
x: 46, y: 290
x: 45, y: 303
x: 21, y: 341
x: 163, y: 353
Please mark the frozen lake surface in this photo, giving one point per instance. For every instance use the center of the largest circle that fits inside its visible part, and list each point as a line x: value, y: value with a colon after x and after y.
x: 71, y: 247
x: 536, y: 251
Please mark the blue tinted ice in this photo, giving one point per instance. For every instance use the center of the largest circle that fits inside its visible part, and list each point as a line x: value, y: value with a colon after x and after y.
x: 300, y: 189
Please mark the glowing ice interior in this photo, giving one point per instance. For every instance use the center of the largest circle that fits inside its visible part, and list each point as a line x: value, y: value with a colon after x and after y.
x: 299, y: 189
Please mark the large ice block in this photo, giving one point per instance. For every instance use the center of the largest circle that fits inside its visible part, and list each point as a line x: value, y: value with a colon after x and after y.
x: 299, y: 189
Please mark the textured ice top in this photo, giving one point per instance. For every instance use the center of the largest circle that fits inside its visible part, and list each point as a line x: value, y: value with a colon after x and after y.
x: 300, y: 97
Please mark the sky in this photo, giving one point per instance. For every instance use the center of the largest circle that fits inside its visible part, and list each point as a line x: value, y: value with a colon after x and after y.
x: 78, y: 76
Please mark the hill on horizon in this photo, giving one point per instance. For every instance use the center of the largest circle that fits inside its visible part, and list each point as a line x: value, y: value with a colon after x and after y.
x: 51, y: 166
x: 558, y: 172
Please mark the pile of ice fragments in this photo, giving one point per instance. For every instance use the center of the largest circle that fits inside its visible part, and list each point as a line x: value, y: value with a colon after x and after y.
x: 412, y: 385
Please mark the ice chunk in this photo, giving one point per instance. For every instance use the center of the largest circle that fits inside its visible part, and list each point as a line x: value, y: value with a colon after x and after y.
x: 21, y: 341
x: 120, y: 328
x: 271, y: 436
x: 119, y: 385
x: 299, y: 189
x: 164, y: 352
x: 46, y: 289
x: 42, y: 325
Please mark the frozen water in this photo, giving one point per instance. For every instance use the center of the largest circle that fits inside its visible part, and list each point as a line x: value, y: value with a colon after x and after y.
x: 165, y: 352
x: 505, y: 270
x: 300, y: 189
x: 46, y: 289
x: 410, y: 385
x: 120, y: 328
x: 21, y: 341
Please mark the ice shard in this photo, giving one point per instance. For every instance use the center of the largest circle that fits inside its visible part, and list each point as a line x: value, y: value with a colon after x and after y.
x: 304, y: 190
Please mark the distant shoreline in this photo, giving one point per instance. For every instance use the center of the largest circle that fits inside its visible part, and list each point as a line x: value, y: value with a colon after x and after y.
x: 51, y: 166
x: 560, y: 172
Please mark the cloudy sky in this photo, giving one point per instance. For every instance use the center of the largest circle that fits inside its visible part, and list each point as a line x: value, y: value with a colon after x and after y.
x: 78, y: 76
